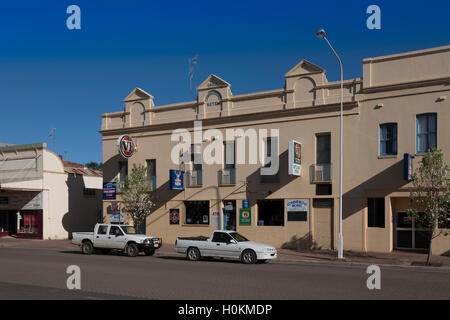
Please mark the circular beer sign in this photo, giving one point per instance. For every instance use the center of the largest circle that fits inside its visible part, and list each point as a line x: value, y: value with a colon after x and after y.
x: 126, y: 146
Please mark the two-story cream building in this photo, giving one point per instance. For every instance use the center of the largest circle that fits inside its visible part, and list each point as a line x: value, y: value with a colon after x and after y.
x: 400, y: 106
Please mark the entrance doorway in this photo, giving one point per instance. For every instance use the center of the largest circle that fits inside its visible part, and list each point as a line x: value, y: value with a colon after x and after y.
x: 229, y: 215
x: 323, y: 223
x: 8, y: 222
x: 409, y: 234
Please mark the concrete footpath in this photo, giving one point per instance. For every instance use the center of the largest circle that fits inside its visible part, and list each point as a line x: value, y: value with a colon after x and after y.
x: 396, y: 258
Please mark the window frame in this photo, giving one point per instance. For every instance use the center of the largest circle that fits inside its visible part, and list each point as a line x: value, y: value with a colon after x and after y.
x: 375, y: 220
x: 393, y: 140
x: 428, y: 116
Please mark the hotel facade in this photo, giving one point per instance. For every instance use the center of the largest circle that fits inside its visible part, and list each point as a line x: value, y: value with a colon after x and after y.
x: 392, y: 115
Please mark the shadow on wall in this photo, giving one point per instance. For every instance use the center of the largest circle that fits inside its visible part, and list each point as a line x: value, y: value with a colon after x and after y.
x: 257, y: 190
x: 305, y: 242
x: 446, y: 253
x: 84, y: 210
x: 111, y: 168
x: 387, y: 180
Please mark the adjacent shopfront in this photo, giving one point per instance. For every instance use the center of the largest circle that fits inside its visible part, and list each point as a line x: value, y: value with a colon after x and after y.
x: 43, y: 197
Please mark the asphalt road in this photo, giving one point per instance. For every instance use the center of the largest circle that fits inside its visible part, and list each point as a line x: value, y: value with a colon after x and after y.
x: 40, y: 273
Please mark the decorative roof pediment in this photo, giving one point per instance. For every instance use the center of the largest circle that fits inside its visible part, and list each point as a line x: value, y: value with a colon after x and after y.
x: 138, y: 94
x: 304, y: 67
x: 213, y: 81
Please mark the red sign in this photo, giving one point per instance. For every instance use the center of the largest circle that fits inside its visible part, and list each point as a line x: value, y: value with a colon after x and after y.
x: 126, y: 146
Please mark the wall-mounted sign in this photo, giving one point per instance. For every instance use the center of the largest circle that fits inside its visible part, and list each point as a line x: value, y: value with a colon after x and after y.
x: 215, y: 219
x: 176, y: 180
x: 295, y: 158
x: 245, y: 216
x: 407, y: 166
x: 245, y: 203
x: 113, y: 208
x: 126, y: 146
x: 109, y: 191
x: 297, y: 210
x: 174, y: 216
x: 116, y: 218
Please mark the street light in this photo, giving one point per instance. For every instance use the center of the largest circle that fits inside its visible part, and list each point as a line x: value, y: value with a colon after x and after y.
x: 322, y: 34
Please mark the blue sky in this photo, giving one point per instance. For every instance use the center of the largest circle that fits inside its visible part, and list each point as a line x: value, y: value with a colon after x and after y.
x: 52, y: 77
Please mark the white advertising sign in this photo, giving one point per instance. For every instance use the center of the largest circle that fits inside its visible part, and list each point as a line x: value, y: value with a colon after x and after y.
x: 295, y: 158
x: 297, y: 205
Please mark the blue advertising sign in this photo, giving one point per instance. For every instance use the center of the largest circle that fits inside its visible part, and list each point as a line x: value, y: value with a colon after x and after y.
x: 245, y: 203
x: 109, y: 191
x: 407, y: 166
x: 176, y: 180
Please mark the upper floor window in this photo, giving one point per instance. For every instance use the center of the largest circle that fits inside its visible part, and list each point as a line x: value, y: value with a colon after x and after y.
x: 123, y: 170
x: 323, y: 148
x: 388, y: 139
x: 151, y: 168
x: 196, y: 157
x: 426, y: 132
x: 229, y: 155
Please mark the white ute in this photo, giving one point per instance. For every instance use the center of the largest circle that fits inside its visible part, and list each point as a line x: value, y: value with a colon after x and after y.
x: 225, y: 244
x: 108, y: 237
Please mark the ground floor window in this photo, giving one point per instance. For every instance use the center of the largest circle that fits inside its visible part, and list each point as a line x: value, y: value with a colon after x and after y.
x: 410, y: 234
x: 197, y: 212
x: 375, y: 212
x: 29, y: 222
x: 8, y: 222
x: 270, y: 212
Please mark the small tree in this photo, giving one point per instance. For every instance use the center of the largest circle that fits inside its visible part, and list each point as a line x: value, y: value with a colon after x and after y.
x: 135, y: 196
x: 430, y: 195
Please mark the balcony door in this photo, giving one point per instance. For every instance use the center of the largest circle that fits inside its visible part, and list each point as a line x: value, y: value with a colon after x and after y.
x: 323, y: 148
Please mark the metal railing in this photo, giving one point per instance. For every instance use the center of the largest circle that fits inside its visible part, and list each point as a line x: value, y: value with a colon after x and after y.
x: 321, y: 172
x: 194, y: 178
x: 227, y: 176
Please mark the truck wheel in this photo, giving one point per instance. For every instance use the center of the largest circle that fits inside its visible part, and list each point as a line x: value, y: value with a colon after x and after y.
x: 193, y: 254
x: 131, y: 250
x: 149, y: 252
x: 87, y: 247
x: 248, y: 257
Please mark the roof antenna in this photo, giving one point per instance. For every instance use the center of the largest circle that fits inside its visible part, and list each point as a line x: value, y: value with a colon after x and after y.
x: 193, y: 71
x: 53, y: 137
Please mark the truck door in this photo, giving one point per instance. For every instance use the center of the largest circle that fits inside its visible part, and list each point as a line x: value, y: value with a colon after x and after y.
x: 116, y: 238
x: 220, y: 245
x: 101, y: 237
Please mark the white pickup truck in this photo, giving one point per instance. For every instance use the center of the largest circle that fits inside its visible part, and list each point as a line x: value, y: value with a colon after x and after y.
x: 225, y: 244
x: 108, y: 237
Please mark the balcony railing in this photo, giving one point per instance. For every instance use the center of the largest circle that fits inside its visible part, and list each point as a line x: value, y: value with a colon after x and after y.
x: 321, y: 173
x: 194, y: 178
x: 227, y: 176
x: 152, y: 183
